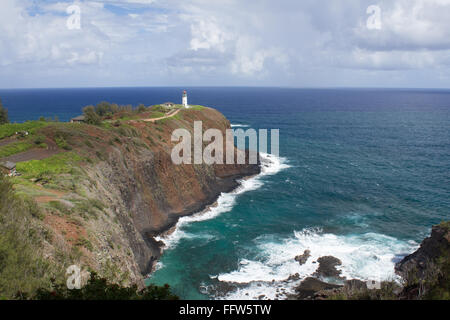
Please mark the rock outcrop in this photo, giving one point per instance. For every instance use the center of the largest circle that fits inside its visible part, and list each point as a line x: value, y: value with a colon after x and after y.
x: 327, y: 267
x: 431, y: 249
x: 301, y: 259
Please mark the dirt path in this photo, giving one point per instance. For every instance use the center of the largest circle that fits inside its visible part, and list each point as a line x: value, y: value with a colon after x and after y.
x: 34, y: 154
x: 172, y: 114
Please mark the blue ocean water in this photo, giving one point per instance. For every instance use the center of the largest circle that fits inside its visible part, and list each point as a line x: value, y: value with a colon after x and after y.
x: 363, y: 174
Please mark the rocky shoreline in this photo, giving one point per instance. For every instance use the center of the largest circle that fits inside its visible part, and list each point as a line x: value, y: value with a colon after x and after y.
x: 419, y: 272
x: 232, y: 183
x: 422, y: 275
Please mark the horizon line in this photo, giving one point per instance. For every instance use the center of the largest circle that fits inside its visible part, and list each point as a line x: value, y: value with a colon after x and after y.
x: 234, y: 86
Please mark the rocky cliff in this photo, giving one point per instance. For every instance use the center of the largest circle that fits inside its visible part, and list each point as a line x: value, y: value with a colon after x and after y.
x: 425, y: 275
x: 113, y: 187
x: 426, y: 272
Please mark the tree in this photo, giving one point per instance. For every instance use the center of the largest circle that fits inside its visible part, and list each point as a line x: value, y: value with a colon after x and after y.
x: 3, y: 114
x: 103, y: 108
x: 91, y: 117
x: 141, y: 108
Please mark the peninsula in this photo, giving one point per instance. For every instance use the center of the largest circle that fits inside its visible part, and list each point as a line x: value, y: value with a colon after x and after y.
x: 100, y: 188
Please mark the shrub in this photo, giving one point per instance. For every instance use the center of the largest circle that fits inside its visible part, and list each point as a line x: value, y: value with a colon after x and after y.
x: 100, y: 289
x: 91, y: 117
x: 141, y: 108
x: 3, y: 114
x: 62, y: 143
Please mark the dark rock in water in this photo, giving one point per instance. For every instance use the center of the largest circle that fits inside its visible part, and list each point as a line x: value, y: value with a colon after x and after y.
x: 311, y: 286
x: 327, y: 267
x: 430, y: 250
x: 293, y: 277
x: 303, y: 257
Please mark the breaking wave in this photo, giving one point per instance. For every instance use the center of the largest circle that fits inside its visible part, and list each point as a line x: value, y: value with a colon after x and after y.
x: 368, y: 256
x: 270, y: 165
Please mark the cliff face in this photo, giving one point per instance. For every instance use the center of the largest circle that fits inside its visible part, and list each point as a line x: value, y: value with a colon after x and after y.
x: 103, y: 201
x: 426, y: 272
x: 149, y: 193
x: 431, y: 249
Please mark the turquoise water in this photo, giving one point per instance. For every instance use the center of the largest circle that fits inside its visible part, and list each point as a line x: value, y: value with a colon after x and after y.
x: 362, y: 175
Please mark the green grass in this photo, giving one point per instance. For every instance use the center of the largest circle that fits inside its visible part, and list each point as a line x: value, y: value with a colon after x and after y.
x: 9, y: 129
x: 22, y: 266
x: 60, y: 163
x: 156, y: 114
x: 196, y: 107
x: 14, y: 148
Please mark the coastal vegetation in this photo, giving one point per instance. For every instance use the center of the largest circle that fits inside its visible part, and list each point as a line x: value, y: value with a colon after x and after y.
x: 10, y: 129
x: 100, y: 289
x: 79, y: 188
x: 3, y: 114
x: 22, y: 266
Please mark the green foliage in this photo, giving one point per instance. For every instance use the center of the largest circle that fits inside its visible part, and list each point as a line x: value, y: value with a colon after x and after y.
x: 99, y: 289
x: 14, y: 148
x: 39, y: 139
x: 62, y: 143
x: 91, y: 117
x: 21, y: 266
x: 83, y: 242
x: 445, y: 224
x: 9, y: 129
x: 103, y: 108
x: 106, y: 110
x: 159, y: 108
x: 57, y: 164
x: 141, y: 108
x: 436, y: 286
x: 3, y: 114
x: 58, y: 205
x: 196, y: 107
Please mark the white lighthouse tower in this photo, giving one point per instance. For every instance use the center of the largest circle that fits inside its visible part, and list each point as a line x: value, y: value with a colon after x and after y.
x: 185, y: 102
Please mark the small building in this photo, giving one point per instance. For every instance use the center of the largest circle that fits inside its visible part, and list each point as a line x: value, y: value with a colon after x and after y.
x: 8, y: 168
x: 78, y: 119
x: 168, y: 105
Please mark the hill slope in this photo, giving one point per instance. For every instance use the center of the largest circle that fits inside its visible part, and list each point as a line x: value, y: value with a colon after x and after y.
x: 107, y: 190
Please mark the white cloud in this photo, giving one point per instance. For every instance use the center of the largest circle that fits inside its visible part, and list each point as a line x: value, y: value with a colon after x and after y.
x: 207, y: 34
x: 147, y: 42
x: 410, y: 25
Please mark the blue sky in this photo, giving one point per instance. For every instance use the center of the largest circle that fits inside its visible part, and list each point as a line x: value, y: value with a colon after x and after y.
x: 308, y: 43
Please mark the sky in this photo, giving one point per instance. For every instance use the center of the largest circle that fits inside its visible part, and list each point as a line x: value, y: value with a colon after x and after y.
x: 307, y: 43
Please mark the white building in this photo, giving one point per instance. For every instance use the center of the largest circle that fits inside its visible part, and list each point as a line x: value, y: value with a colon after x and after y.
x: 185, y: 101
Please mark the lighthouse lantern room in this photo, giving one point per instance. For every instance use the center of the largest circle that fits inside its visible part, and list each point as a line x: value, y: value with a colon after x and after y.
x: 185, y: 101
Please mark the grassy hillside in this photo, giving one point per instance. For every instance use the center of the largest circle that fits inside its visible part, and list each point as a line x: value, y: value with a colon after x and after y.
x: 56, y: 212
x: 22, y: 265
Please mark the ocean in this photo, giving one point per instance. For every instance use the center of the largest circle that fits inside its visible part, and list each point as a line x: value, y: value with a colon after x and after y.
x: 362, y: 175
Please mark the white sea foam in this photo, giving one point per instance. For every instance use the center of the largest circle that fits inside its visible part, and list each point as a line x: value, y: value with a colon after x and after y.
x: 240, y: 126
x: 270, y: 165
x: 369, y: 256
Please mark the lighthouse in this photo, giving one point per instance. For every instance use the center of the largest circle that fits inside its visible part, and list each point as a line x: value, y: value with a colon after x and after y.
x: 185, y: 102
